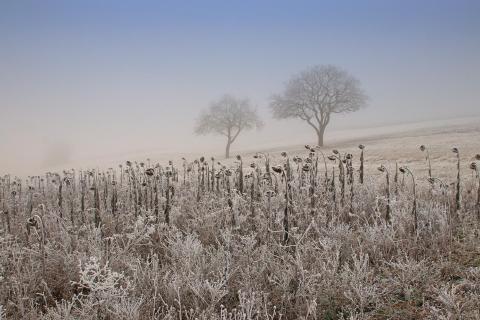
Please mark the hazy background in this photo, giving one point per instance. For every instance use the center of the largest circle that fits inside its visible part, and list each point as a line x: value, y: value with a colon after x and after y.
x: 87, y: 81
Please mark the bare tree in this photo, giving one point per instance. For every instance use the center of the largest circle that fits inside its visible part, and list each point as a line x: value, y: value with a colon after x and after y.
x: 315, y: 94
x: 228, y: 116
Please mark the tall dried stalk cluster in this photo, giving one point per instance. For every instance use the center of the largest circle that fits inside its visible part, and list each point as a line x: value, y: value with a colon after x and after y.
x: 309, y: 235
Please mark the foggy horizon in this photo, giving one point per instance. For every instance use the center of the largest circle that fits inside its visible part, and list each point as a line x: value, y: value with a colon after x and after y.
x: 81, y: 81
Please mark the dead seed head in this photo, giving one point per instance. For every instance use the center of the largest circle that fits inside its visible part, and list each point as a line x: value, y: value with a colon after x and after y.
x: 335, y: 151
x: 473, y: 166
x: 477, y: 157
x: 382, y: 168
x: 32, y: 222
x: 277, y: 169
x: 361, y: 146
x: 422, y: 148
x: 284, y: 154
x: 455, y: 150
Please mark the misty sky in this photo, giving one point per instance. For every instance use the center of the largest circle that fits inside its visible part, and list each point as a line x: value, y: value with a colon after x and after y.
x: 83, y: 80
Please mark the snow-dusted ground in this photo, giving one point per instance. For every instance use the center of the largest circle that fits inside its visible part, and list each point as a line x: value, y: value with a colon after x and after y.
x: 384, y: 145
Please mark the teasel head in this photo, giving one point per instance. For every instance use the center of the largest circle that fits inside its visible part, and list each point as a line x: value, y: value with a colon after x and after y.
x: 283, y: 154
x: 423, y: 148
x: 256, y: 156
x: 348, y: 156
x: 455, y: 150
x: 361, y: 146
x: 403, y: 169
x: 253, y: 165
x: 228, y: 172
x: 239, y: 157
x: 149, y: 172
x: 382, y: 168
x: 308, y: 147
x: 473, y: 166
x: 129, y: 163
x: 335, y: 151
x: 477, y: 157
x: 142, y: 164
x: 431, y: 180
x: 202, y: 159
x: 307, y: 160
x: 170, y: 162
x: 306, y: 167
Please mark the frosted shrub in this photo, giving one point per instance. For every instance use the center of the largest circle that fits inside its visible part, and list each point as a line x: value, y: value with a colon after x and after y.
x: 358, y: 280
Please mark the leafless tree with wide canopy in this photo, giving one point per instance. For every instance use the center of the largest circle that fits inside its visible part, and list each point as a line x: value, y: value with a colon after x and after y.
x: 228, y: 116
x: 315, y: 94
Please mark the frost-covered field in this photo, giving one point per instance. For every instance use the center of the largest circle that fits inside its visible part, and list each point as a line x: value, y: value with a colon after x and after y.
x: 263, y: 236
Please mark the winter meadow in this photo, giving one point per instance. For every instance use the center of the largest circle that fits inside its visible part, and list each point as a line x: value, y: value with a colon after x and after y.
x: 239, y: 160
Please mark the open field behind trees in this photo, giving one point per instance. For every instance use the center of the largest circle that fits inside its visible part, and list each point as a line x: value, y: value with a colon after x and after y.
x: 393, y: 142
x: 264, y: 237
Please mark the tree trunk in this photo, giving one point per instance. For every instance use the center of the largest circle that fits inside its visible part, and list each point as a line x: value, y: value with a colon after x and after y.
x: 320, y: 136
x: 227, y: 150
